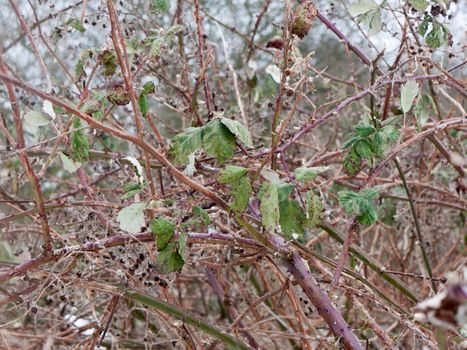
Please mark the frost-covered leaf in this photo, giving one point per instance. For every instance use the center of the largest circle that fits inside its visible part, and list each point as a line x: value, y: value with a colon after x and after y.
x: 136, y: 167
x: 164, y: 231
x: 270, y: 175
x: 308, y: 174
x: 239, y: 130
x: 131, y: 218
x: 190, y: 167
x: 314, y: 210
x: 68, y: 164
x: 362, y: 7
x: 424, y: 107
x: 241, y: 192
x: 375, y: 24
x: 269, y: 206
x: 240, y: 186
x: 408, y: 93
x: 275, y: 72
x: 35, y: 119
x: 48, y: 108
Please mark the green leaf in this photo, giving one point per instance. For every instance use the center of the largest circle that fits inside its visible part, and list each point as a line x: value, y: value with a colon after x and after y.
x: 364, y: 149
x: 108, y: 58
x: 185, y: 144
x: 423, y: 27
x: 79, y: 143
x: 307, y: 174
x: 350, y: 201
x: 438, y: 36
x: 269, y: 206
x: 161, y: 5
x: 408, y: 93
x: 231, y: 174
x: 360, y: 204
x: 76, y: 24
x: 148, y: 88
x: 419, y: 5
x: 131, y: 218
x: 164, y: 231
x: 291, y: 218
x: 68, y: 164
x: 241, y: 192
x: 143, y: 104
x: 131, y: 189
x: 362, y: 7
x: 364, y: 130
x: 350, y: 142
x: 369, y: 194
x: 79, y: 69
x: 239, y: 130
x: 314, y: 210
x: 284, y: 190
x: 391, y: 133
x: 202, y: 215
x: 368, y: 217
x: 352, y: 163
x: 169, y: 260
x: 218, y: 141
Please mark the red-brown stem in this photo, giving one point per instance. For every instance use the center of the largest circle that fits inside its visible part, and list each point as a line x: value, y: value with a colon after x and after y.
x: 321, y: 301
x: 345, y: 252
x: 113, y: 242
x: 120, y: 49
x: 26, y: 164
x: 121, y: 134
x: 199, y: 29
x: 346, y: 41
